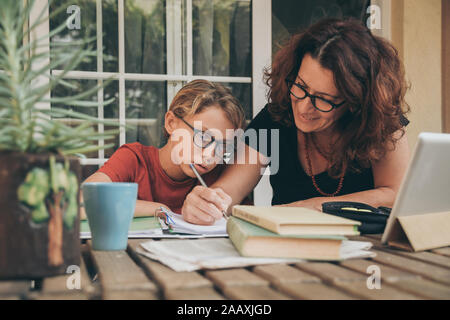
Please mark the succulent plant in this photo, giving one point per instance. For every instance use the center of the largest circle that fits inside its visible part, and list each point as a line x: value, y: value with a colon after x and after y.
x: 24, y: 125
x: 50, y: 194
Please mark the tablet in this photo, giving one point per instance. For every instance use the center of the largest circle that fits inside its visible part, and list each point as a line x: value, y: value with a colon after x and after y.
x: 426, y: 185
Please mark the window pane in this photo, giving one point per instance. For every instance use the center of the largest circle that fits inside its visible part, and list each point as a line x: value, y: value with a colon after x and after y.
x: 76, y: 87
x: 115, y: 141
x: 145, y: 36
x: 110, y: 38
x: 110, y: 111
x: 111, y: 90
x: 284, y: 23
x: 146, y: 103
x: 243, y: 92
x: 73, y: 32
x: 221, y: 37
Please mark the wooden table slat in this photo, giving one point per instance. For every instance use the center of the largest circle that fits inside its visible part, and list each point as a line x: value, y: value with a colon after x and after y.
x: 14, y: 288
x: 360, y: 289
x: 427, y: 257
x: 280, y: 273
x: 117, y: 271
x: 352, y: 282
x: 76, y: 295
x: 131, y: 295
x: 403, y: 280
x: 251, y: 292
x: 432, y: 272
x: 330, y: 272
x: 203, y: 293
x: 424, y: 256
x: 235, y: 277
x: 312, y: 291
x: 424, y: 288
x: 11, y: 297
x: 387, y: 273
x: 442, y: 251
x: 59, y: 285
x: 164, y: 276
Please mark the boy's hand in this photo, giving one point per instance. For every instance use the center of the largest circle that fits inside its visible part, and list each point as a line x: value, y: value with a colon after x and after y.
x: 205, y: 205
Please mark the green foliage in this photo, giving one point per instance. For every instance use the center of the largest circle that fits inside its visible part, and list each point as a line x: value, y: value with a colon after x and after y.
x: 33, y: 192
x: 24, y: 125
x: 35, y: 188
x: 41, y: 185
x: 71, y: 198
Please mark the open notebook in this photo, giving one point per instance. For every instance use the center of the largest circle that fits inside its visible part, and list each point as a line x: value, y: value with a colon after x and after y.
x: 152, y: 227
x: 177, y: 224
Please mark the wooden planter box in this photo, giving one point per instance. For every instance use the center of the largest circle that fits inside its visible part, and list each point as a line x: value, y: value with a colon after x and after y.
x: 38, y: 238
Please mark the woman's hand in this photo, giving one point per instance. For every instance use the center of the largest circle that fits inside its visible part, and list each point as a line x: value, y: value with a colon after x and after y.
x: 205, y: 205
x: 312, y: 203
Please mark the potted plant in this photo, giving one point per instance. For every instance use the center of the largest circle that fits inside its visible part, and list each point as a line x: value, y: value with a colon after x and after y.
x: 40, y: 170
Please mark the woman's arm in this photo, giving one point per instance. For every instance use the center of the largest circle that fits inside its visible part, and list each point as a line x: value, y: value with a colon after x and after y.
x: 143, y: 208
x: 235, y: 183
x: 387, y: 173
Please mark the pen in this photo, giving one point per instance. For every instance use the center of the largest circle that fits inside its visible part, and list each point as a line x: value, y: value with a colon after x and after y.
x: 199, y: 177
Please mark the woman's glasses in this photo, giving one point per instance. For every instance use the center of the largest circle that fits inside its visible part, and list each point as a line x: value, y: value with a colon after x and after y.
x: 203, y: 139
x: 321, y: 104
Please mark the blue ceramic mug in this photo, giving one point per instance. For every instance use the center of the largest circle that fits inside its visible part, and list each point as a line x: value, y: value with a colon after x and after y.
x: 109, y: 208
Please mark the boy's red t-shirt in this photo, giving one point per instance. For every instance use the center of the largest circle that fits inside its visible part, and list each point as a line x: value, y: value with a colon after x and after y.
x: 134, y: 162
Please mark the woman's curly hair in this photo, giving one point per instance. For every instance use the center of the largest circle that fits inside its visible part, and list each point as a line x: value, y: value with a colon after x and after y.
x: 369, y: 76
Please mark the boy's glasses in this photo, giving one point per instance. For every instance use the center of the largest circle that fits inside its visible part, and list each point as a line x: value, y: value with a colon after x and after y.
x: 203, y: 139
x: 300, y: 92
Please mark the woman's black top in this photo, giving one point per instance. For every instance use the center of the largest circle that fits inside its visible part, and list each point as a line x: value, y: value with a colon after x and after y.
x: 288, y: 179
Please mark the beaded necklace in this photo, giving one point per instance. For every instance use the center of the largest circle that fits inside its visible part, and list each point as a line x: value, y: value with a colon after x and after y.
x: 309, y: 168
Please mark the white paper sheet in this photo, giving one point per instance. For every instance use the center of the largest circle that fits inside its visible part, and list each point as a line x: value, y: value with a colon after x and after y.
x: 190, y: 255
x: 356, y: 249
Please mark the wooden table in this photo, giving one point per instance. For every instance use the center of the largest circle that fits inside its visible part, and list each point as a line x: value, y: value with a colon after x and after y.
x: 128, y: 275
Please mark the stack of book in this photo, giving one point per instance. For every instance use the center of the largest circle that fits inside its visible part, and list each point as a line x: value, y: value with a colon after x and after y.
x: 288, y: 232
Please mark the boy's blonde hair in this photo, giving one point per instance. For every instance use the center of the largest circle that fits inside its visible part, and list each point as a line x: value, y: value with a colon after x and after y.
x: 198, y: 95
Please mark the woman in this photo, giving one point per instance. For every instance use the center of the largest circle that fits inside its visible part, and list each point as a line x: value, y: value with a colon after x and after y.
x: 337, y: 98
